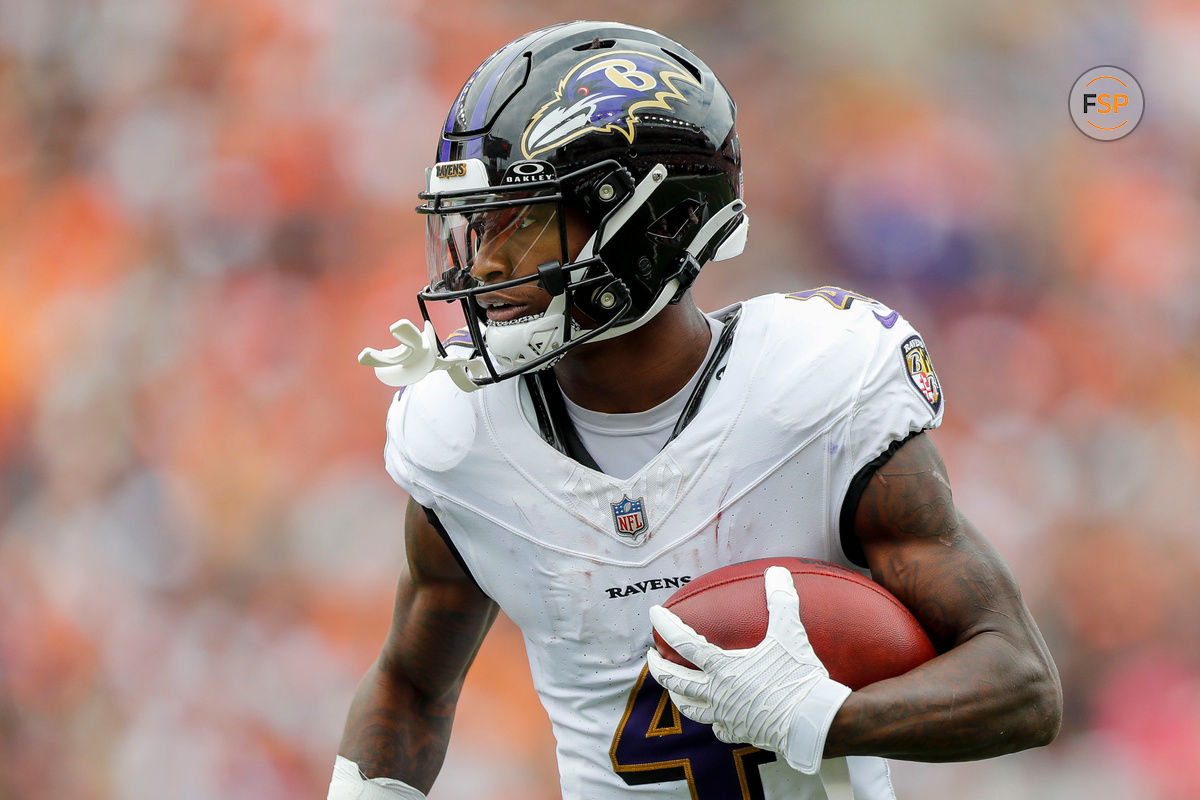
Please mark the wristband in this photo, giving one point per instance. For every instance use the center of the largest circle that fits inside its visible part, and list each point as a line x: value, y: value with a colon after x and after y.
x: 810, y: 725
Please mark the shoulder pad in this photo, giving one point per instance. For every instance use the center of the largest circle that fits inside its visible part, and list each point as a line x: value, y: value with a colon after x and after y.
x: 432, y: 424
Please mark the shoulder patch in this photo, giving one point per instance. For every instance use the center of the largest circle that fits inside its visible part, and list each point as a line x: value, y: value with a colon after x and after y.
x: 920, y: 371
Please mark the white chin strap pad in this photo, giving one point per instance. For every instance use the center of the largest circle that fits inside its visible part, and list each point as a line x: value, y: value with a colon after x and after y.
x: 513, y: 346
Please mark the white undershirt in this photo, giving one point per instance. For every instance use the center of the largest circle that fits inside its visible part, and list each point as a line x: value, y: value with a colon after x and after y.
x: 622, y: 444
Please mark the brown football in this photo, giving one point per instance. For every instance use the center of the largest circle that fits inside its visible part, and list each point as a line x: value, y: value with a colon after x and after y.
x: 858, y: 629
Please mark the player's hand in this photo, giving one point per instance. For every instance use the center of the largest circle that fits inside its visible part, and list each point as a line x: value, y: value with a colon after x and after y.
x: 776, y: 695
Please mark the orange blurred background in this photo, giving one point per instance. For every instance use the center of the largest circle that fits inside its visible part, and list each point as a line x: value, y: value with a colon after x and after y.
x: 206, y: 211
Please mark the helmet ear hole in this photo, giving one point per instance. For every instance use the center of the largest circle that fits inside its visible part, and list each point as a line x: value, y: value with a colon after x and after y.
x: 678, y: 220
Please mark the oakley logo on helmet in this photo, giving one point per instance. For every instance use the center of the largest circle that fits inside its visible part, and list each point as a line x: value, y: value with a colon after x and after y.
x: 604, y: 93
x: 528, y: 172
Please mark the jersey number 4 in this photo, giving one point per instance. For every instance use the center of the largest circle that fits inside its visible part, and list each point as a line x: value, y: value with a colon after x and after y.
x: 655, y: 744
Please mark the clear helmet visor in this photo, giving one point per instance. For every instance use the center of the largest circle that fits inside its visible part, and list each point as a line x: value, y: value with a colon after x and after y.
x: 472, y: 239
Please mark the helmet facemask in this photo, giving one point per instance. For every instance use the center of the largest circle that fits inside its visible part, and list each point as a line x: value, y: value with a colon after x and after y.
x: 599, y: 294
x: 467, y: 226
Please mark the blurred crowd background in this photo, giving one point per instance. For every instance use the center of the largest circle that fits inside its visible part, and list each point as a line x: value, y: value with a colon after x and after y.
x: 206, y: 211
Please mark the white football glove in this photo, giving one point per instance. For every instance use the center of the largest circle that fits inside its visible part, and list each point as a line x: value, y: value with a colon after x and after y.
x: 777, y: 695
x: 348, y: 783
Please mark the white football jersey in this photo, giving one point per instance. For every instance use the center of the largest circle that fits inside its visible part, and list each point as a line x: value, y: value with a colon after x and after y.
x: 817, y: 385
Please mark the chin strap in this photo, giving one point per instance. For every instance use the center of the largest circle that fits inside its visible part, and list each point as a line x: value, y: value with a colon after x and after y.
x: 416, y: 356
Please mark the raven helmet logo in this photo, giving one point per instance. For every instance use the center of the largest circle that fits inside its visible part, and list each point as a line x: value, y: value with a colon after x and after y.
x: 604, y: 93
x: 629, y: 517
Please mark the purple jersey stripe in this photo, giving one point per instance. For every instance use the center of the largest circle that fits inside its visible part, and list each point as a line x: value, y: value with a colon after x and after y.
x: 460, y: 336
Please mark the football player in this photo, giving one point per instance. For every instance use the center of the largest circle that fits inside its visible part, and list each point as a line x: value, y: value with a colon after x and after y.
x: 590, y: 440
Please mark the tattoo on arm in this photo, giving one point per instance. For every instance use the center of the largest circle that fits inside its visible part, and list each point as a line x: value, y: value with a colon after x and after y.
x: 402, y: 730
x: 399, y: 723
x: 994, y: 689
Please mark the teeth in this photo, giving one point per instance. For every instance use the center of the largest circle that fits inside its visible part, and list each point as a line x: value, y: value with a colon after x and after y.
x: 517, y: 321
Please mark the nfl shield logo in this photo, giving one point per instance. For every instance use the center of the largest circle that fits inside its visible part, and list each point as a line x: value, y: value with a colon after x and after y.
x: 629, y: 517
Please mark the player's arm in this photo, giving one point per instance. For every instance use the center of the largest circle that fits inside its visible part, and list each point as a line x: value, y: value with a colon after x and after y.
x: 399, y: 722
x: 994, y: 689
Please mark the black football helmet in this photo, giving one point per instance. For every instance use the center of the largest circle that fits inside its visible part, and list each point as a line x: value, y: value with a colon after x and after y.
x: 617, y: 123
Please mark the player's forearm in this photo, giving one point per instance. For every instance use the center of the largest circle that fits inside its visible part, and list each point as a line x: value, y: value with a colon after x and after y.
x: 995, y: 689
x: 985, y: 698
x: 394, y: 731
